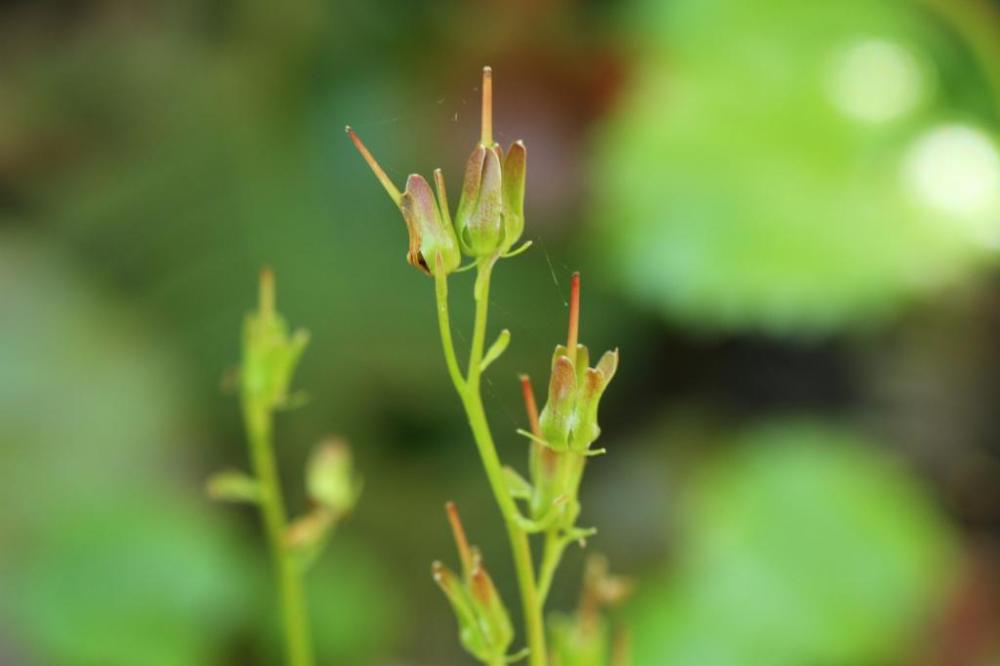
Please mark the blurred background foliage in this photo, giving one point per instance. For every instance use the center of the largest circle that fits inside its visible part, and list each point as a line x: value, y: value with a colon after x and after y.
x: 787, y: 216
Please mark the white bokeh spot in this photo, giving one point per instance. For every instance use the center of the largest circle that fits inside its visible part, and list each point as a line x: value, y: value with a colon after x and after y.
x: 875, y: 81
x: 954, y: 170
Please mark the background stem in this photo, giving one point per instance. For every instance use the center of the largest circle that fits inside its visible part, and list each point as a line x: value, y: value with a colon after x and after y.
x: 295, y: 619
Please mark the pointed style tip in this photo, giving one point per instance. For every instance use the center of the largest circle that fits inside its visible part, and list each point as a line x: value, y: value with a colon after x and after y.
x: 487, y: 119
x: 574, y: 313
x: 461, y: 542
x: 267, y: 297
x: 376, y: 168
x: 530, y: 406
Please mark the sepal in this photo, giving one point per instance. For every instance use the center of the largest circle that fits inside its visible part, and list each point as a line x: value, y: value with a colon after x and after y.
x: 513, y: 193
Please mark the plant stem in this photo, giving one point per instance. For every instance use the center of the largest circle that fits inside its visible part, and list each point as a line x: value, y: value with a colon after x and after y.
x: 551, y: 556
x: 295, y: 619
x: 470, y: 394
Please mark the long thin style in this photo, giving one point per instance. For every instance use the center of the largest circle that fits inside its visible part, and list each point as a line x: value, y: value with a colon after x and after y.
x: 530, y: 406
x: 487, y: 119
x: 380, y: 173
x: 460, y: 540
x: 574, y: 314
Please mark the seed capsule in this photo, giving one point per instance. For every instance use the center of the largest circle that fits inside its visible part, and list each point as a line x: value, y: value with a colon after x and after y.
x: 428, y: 222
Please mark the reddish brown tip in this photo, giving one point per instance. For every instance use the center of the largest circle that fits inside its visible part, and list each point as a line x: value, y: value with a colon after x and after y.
x: 530, y: 406
x: 380, y: 173
x: 464, y: 552
x: 574, y: 314
x: 482, y: 587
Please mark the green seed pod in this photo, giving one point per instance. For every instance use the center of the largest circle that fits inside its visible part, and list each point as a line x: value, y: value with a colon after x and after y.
x: 484, y: 625
x: 479, y: 219
x: 470, y: 632
x: 270, y: 353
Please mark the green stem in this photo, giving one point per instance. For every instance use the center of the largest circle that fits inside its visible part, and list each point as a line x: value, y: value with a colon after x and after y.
x: 551, y: 556
x: 295, y: 618
x: 470, y: 394
x: 441, y: 291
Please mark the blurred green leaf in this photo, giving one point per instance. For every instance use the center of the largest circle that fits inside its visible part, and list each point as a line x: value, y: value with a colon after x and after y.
x: 805, y: 547
x: 149, y: 582
x: 769, y: 166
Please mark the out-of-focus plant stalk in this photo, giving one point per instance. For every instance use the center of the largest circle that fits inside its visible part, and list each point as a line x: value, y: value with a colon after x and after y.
x: 270, y: 356
x: 270, y: 353
x: 295, y: 619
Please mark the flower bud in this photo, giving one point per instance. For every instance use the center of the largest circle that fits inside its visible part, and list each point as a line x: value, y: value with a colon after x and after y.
x: 479, y: 219
x: 270, y: 353
x: 470, y: 633
x: 569, y: 420
x: 584, y: 638
x: 330, y: 478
